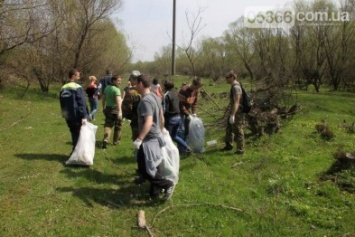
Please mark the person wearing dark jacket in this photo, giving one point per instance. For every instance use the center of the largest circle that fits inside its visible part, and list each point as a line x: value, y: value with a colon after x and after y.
x: 172, y: 114
x: 92, y: 92
x: 73, y: 105
x: 105, y: 81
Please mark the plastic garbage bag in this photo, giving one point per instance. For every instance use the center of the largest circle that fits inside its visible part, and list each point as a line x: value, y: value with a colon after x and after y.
x: 84, y: 151
x: 196, y: 137
x: 170, y: 165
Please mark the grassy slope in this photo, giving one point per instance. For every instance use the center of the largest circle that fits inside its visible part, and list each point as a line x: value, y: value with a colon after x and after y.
x: 276, y: 183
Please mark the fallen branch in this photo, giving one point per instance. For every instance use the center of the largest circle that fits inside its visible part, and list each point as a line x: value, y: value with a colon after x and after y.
x: 18, y: 121
x: 196, y: 204
x: 114, y: 204
x: 210, y: 97
x: 142, y: 223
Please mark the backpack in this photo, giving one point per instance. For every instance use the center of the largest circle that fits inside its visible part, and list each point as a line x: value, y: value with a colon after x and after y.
x: 130, y: 103
x: 246, y: 101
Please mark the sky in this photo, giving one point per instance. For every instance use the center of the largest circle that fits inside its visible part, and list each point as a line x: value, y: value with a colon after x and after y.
x: 147, y: 24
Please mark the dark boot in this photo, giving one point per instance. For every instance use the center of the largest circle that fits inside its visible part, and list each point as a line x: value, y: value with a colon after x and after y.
x: 227, y: 148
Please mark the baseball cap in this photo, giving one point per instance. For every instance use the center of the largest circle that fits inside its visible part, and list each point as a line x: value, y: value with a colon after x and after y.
x: 135, y: 74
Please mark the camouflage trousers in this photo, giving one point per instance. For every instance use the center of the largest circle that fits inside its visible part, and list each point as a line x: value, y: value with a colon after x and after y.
x: 235, y: 132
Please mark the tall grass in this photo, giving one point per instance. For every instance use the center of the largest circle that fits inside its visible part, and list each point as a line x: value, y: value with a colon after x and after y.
x: 274, y: 189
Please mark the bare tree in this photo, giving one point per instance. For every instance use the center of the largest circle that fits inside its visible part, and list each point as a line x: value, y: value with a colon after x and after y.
x: 272, y: 49
x: 309, y: 42
x: 18, y: 27
x: 87, y: 13
x: 338, y: 39
x: 241, y: 41
x: 18, y: 20
x: 84, y: 40
x: 195, y: 26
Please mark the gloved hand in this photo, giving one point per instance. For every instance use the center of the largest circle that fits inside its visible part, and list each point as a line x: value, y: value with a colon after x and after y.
x: 190, y: 116
x: 137, y: 143
x: 84, y: 121
x: 119, y: 115
x: 231, y: 119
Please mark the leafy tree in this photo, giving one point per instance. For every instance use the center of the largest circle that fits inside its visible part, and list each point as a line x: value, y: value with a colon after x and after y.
x: 213, y: 56
x: 105, y: 48
x: 163, y: 61
x: 240, y: 41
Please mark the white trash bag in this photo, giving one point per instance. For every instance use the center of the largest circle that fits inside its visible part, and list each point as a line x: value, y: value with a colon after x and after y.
x: 170, y: 165
x: 196, y: 137
x: 84, y: 151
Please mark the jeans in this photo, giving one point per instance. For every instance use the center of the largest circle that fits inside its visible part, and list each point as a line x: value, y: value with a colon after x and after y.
x: 186, y: 121
x: 93, y: 107
x: 172, y: 125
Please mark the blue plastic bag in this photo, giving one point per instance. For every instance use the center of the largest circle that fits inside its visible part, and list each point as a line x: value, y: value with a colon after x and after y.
x: 196, y: 137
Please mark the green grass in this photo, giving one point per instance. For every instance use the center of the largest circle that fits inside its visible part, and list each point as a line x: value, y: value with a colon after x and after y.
x: 276, y: 184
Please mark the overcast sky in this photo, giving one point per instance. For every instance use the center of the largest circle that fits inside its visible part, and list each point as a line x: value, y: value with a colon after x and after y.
x: 147, y: 24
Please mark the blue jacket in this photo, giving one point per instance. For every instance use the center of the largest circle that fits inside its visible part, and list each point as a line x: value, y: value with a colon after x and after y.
x: 105, y: 81
x: 72, y: 102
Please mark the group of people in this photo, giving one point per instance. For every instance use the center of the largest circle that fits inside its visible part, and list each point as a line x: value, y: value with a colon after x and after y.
x: 149, y: 109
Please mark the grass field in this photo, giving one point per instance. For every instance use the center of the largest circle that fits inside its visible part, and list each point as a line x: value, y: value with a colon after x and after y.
x: 277, y: 188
